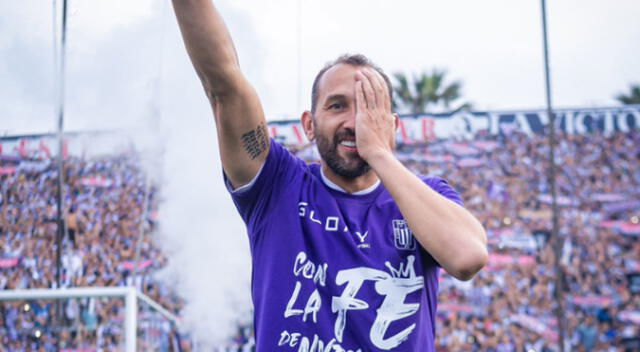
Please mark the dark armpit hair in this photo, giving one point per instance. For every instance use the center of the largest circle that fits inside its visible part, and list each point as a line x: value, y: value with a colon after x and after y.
x: 349, y: 59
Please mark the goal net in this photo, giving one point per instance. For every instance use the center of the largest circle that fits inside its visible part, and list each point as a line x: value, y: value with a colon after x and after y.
x: 86, y: 319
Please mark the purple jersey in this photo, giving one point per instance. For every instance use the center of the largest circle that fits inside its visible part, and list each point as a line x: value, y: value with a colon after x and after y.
x: 334, y: 271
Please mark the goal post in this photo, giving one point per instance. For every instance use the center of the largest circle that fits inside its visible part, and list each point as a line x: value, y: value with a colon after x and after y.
x: 130, y: 295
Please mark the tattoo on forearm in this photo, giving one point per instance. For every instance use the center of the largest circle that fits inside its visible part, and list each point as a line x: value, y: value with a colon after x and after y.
x: 255, y: 141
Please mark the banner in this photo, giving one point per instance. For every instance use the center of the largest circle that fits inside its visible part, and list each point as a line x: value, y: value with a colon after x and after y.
x: 542, y: 214
x: 463, y: 149
x: 7, y: 170
x: 615, y: 207
x: 129, y: 264
x: 623, y: 227
x: 95, y: 181
x: 522, y: 242
x: 592, y: 301
x: 33, y: 166
x: 437, y: 159
x: 632, y: 266
x: 416, y: 128
x: 505, y: 231
x: 467, y: 125
x: 455, y: 307
x: 630, y: 316
x: 486, y: 146
x: 611, y: 224
x: 470, y: 162
x: 560, y: 200
x: 630, y: 229
x: 36, y: 147
x: 497, y: 260
x: 6, y: 263
x: 536, y: 325
x: 45, y: 146
x: 609, y: 197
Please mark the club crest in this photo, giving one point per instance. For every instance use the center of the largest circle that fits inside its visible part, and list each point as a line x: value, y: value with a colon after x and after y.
x: 402, y: 236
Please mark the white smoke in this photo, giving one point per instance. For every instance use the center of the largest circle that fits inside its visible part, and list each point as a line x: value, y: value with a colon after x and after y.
x: 127, y: 69
x: 202, y: 233
x: 203, y: 236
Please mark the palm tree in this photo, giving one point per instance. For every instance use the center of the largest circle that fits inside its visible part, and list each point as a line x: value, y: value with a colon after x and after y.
x: 632, y: 98
x: 425, y: 92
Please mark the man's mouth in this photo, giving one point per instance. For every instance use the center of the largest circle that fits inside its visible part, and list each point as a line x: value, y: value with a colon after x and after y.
x: 349, y: 144
x: 346, y: 140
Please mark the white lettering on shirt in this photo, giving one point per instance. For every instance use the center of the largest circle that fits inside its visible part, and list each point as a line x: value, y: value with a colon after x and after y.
x: 394, y: 285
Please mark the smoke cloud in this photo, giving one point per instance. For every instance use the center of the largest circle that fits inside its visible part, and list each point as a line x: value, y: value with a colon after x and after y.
x: 202, y: 233
x: 127, y: 70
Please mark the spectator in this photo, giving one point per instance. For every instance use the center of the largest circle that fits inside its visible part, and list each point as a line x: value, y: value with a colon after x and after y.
x: 509, y: 306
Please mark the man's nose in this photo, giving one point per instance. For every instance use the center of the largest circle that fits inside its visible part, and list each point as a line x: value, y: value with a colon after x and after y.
x: 350, y: 120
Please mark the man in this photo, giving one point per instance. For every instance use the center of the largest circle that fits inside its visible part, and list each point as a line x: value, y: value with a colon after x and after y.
x: 336, y: 264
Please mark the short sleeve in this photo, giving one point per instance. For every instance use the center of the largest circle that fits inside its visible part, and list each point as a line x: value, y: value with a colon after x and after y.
x: 255, y: 202
x: 441, y: 186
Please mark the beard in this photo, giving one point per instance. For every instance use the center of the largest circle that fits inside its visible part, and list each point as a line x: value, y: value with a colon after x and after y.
x: 347, y: 167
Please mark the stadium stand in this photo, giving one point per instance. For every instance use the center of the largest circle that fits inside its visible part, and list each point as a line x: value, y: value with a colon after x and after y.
x: 507, y: 307
x: 104, y: 198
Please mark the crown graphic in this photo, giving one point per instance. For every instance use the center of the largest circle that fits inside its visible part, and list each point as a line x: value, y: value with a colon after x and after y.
x: 404, y: 271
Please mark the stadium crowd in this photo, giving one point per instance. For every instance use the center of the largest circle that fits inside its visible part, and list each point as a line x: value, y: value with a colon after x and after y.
x: 508, y: 306
x: 108, y: 234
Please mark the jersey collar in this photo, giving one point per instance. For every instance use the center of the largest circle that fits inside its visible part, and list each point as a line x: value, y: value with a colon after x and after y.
x: 334, y: 186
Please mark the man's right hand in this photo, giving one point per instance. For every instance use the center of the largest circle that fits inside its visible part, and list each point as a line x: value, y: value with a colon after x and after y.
x: 241, y: 126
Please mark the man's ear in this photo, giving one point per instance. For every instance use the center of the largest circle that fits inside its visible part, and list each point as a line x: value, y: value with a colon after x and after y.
x: 396, y: 120
x: 307, y: 124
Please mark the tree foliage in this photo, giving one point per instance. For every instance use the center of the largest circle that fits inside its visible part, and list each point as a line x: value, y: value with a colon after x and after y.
x: 427, y: 92
x: 632, y: 98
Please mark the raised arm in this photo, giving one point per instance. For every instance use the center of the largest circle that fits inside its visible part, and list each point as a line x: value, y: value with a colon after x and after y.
x: 242, y: 133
